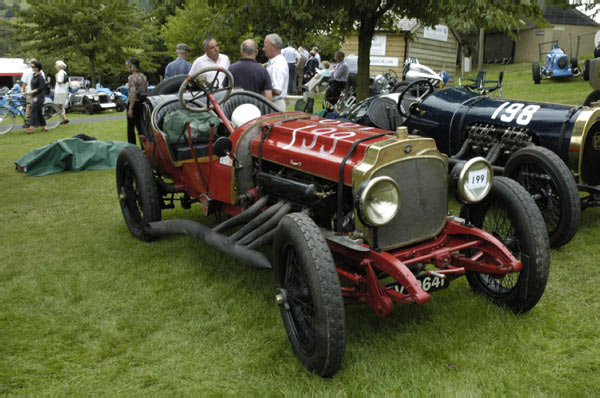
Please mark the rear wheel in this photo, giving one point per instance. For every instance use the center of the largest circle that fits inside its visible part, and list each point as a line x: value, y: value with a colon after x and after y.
x: 548, y: 180
x: 586, y: 70
x: 575, y: 67
x: 309, y: 294
x: 535, y: 69
x: 137, y: 190
x: 52, y: 115
x: 509, y: 213
x: 7, y: 120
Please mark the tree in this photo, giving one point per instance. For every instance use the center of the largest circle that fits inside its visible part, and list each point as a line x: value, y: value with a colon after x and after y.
x: 367, y: 15
x: 96, y: 34
x: 231, y: 22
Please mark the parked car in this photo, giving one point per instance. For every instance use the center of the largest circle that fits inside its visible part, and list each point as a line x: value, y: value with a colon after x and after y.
x: 557, y: 64
x: 115, y: 97
x: 552, y: 150
x: 84, y: 98
x: 354, y: 214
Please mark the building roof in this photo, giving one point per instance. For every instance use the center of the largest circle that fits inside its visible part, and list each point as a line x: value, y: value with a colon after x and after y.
x: 12, y: 66
x: 567, y: 16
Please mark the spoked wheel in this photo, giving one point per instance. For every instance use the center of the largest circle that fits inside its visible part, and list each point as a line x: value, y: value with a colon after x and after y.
x: 120, y: 105
x: 412, y: 96
x: 52, y: 115
x: 138, y: 194
x: 88, y: 106
x: 199, y: 86
x: 548, y: 180
x: 510, y: 214
x: 7, y: 120
x: 309, y: 294
x: 593, y: 99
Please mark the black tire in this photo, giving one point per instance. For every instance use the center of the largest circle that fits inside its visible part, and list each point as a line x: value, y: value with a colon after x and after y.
x: 535, y: 70
x: 575, y: 67
x: 307, y: 279
x: 137, y: 191
x: 592, y: 99
x: 120, y: 105
x: 586, y: 70
x: 52, y: 115
x: 557, y: 196
x: 88, y: 107
x: 169, y: 86
x: 510, y: 214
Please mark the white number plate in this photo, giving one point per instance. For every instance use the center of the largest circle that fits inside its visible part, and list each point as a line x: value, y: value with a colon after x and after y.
x: 477, y: 179
x: 429, y: 283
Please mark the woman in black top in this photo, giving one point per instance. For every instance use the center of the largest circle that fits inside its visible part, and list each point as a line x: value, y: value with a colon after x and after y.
x: 38, y: 94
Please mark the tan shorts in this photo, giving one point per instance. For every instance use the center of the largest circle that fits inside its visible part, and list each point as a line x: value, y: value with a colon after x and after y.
x: 60, y: 99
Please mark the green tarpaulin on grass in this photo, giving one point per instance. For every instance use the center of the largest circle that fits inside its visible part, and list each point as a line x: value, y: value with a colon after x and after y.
x: 72, y: 154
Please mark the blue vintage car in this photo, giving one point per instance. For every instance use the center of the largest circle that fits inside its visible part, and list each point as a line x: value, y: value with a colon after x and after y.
x: 557, y: 64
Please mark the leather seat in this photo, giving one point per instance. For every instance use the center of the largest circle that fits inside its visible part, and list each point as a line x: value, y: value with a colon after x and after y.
x: 165, y: 103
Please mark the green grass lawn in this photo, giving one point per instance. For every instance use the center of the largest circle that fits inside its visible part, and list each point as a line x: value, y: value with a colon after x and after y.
x: 86, y: 308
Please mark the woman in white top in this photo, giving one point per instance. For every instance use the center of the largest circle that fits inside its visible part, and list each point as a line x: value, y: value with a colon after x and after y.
x: 61, y: 89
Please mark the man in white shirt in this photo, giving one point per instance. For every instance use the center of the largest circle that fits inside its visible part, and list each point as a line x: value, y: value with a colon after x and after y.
x: 292, y: 57
x: 315, y: 50
x: 277, y: 68
x: 210, y: 58
x: 352, y: 62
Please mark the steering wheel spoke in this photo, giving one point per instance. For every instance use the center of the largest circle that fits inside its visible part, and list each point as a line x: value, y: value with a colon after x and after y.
x: 196, y: 88
x: 413, y: 95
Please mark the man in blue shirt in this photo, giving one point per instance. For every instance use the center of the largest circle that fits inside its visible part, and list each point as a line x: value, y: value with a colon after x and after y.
x: 180, y: 66
x: 249, y: 74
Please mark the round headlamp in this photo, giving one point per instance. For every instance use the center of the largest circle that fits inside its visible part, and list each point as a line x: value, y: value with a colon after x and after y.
x: 474, y: 180
x: 377, y: 201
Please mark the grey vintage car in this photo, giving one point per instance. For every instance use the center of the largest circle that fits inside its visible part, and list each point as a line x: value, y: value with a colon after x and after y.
x: 83, y: 98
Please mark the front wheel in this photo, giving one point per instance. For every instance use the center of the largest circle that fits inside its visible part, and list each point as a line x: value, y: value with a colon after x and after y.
x: 7, y: 120
x: 510, y: 214
x: 88, y: 106
x: 309, y: 294
x: 137, y: 190
x: 548, y: 180
x: 52, y: 115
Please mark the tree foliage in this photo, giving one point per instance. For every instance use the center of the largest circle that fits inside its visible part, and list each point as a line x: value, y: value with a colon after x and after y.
x: 90, y: 36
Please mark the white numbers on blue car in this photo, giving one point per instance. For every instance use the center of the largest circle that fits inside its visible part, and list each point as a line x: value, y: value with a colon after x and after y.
x: 508, y: 112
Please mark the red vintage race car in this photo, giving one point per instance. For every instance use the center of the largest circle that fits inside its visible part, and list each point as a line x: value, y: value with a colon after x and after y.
x: 354, y: 214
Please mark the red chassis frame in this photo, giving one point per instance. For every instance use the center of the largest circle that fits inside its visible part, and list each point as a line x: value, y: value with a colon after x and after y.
x: 490, y: 257
x: 359, y: 266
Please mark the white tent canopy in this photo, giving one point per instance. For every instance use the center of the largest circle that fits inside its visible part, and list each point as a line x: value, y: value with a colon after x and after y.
x: 12, y: 66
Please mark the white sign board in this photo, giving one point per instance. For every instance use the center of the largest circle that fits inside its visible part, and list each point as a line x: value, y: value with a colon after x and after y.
x: 384, y: 61
x: 438, y: 32
x: 378, y: 45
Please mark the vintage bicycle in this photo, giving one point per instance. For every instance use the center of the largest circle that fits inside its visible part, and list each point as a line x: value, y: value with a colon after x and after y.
x: 12, y: 105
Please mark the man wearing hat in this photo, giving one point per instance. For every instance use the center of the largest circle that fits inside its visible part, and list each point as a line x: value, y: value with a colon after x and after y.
x: 180, y: 66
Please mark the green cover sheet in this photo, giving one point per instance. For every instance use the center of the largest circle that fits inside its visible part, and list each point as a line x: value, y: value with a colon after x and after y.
x: 72, y: 154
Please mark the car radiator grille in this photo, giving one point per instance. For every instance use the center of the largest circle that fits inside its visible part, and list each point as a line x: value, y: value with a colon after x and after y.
x: 103, y: 99
x: 423, y: 183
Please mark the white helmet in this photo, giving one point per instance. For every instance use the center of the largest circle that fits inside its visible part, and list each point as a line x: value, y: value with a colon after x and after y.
x: 244, y: 113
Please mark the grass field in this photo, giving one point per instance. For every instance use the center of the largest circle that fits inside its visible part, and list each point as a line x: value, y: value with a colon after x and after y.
x: 86, y: 308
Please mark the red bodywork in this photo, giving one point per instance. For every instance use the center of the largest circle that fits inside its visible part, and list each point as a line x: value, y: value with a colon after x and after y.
x: 317, y: 146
